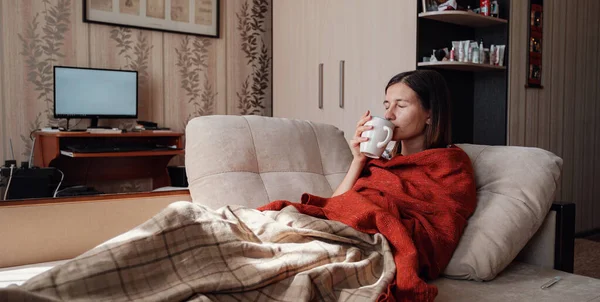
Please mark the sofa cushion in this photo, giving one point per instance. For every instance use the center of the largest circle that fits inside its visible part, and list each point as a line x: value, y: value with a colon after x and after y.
x: 252, y: 160
x: 515, y: 190
x: 521, y: 282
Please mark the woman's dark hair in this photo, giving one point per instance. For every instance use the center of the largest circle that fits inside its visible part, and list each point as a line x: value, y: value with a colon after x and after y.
x: 434, y: 95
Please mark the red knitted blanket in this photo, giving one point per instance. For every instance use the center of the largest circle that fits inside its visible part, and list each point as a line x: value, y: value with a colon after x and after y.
x: 420, y: 203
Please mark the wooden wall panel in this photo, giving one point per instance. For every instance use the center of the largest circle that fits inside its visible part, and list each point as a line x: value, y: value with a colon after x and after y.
x: 222, y: 97
x: 569, y: 100
x: 176, y: 107
x: 190, y: 78
x: 249, y: 70
x: 580, y: 140
x: 11, y: 76
x: 153, y: 96
x: 557, y: 80
x: 591, y: 97
x: 561, y: 117
x: 595, y: 217
x: 77, y: 42
x: 576, y: 101
x: 2, y: 97
x: 24, y: 103
x: 517, y: 61
x: 234, y: 23
x: 531, y: 101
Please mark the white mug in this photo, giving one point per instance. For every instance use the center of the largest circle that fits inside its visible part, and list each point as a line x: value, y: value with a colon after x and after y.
x: 379, y: 137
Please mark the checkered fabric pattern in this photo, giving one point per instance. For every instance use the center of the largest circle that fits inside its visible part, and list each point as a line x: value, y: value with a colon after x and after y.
x: 189, y: 252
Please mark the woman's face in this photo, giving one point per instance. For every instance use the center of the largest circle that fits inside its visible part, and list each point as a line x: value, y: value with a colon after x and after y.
x: 403, y: 108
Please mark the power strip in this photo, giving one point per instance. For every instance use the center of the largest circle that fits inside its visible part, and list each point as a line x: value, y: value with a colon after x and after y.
x: 4, y: 171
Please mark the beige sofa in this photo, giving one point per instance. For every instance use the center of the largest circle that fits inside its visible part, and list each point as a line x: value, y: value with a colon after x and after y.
x: 252, y: 160
x: 515, y: 242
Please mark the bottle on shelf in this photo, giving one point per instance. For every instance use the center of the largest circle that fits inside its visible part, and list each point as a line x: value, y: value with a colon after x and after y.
x: 484, y: 6
x: 495, y: 9
x: 481, y: 53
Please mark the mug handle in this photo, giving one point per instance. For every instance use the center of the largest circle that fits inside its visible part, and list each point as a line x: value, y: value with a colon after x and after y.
x: 387, y: 138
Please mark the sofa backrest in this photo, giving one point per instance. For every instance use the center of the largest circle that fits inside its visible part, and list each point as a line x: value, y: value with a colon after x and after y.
x: 251, y: 160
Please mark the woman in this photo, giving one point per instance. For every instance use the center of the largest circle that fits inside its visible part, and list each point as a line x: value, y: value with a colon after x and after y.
x: 420, y: 199
x: 418, y: 104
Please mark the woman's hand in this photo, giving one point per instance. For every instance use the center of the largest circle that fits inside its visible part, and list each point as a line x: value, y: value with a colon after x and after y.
x: 359, y: 160
x: 355, y: 142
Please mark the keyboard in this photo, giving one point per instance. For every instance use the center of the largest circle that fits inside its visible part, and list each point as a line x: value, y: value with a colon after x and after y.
x: 115, y: 148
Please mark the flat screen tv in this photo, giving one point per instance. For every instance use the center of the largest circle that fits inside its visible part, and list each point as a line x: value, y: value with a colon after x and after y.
x: 95, y: 93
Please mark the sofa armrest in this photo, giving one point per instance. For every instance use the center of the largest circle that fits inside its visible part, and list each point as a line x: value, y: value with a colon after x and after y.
x: 552, y: 246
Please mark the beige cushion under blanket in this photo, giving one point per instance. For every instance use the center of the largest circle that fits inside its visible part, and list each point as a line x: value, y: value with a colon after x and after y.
x: 515, y: 190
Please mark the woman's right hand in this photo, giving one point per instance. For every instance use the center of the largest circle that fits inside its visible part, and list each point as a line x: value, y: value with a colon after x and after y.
x: 359, y: 160
x: 355, y: 142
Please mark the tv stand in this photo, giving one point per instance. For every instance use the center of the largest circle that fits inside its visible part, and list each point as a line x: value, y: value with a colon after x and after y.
x: 100, y: 127
x: 79, y: 168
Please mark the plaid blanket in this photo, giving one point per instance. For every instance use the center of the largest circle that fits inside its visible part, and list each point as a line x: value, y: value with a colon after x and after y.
x: 188, y: 252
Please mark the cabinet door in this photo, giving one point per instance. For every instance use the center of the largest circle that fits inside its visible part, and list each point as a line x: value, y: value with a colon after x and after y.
x: 331, y: 37
x: 375, y: 39
x: 379, y: 42
x: 296, y: 59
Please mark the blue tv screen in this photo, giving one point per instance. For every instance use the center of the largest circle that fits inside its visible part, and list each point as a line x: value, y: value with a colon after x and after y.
x: 80, y: 92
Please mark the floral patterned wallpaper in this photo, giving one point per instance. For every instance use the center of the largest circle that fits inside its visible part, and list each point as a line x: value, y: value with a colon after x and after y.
x: 180, y: 76
x: 256, y: 49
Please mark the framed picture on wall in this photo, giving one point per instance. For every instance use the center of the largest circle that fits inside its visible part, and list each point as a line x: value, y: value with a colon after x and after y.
x: 194, y: 17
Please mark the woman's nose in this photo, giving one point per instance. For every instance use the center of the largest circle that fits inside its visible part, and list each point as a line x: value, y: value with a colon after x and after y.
x: 389, y: 116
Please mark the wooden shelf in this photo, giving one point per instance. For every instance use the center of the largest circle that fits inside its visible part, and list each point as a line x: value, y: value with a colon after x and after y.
x: 81, y: 167
x: 462, y: 66
x: 123, y: 154
x: 126, y: 134
x: 463, y: 18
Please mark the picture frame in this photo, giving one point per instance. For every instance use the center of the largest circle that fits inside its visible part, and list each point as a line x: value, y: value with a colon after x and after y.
x: 192, y: 17
x: 535, y: 43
